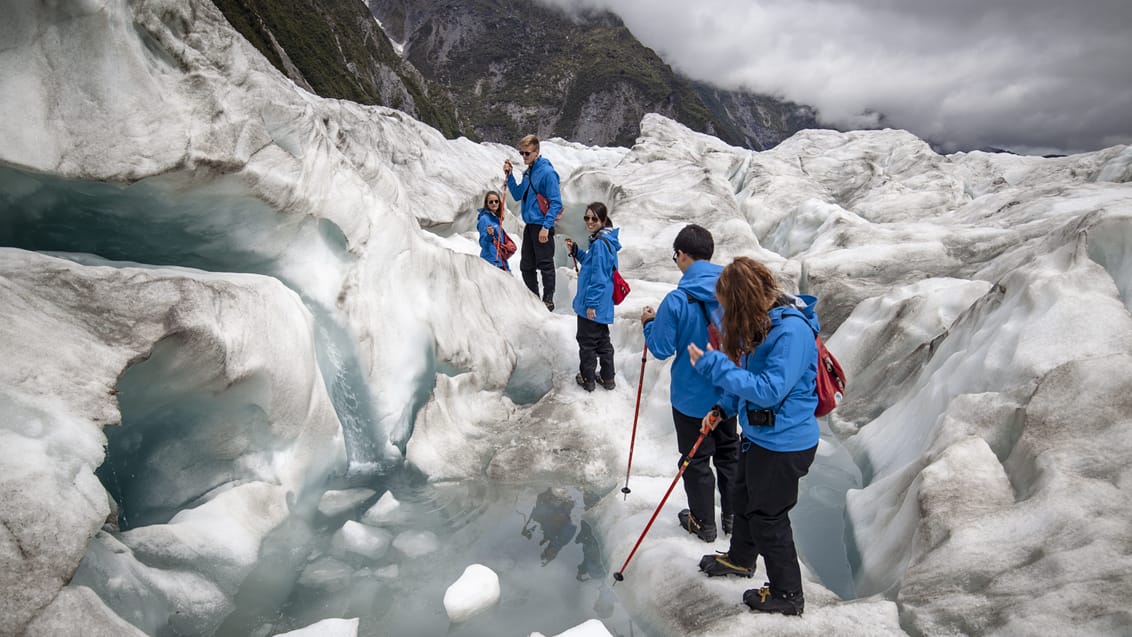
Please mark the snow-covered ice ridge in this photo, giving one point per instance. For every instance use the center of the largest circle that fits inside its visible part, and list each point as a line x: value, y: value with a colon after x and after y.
x: 980, y: 304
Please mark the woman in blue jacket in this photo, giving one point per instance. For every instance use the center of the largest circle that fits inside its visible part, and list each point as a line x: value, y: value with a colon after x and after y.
x: 490, y: 225
x: 767, y: 372
x: 593, y: 303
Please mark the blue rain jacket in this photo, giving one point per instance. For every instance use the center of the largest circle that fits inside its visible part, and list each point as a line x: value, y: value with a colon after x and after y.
x: 680, y: 322
x: 781, y: 375
x: 487, y: 219
x: 595, y: 278
x: 540, y: 178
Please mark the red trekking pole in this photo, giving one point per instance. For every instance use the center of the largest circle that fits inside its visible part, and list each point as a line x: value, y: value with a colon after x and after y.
x: 713, y: 421
x: 637, y: 410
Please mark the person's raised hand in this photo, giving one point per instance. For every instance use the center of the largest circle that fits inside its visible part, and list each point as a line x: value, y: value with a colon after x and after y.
x: 507, y: 166
x: 694, y: 353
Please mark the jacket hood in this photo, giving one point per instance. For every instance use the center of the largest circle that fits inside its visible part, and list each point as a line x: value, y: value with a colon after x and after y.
x: 801, y: 305
x: 699, y: 281
x: 612, y: 235
x: 485, y: 211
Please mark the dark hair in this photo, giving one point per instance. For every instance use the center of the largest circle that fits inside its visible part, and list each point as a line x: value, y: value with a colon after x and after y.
x: 602, y: 213
x: 497, y: 196
x: 695, y: 241
x: 746, y: 290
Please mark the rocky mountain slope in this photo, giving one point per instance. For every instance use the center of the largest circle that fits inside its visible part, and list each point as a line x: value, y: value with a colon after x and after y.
x: 516, y: 66
x: 497, y: 69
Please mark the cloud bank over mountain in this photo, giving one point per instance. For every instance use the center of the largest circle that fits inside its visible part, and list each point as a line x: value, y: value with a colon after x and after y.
x: 1034, y: 77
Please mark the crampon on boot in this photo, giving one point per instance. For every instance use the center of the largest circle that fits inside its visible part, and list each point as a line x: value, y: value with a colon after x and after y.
x: 766, y: 600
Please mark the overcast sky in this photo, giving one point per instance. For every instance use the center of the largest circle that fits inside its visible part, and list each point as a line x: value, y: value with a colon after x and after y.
x: 1032, y: 76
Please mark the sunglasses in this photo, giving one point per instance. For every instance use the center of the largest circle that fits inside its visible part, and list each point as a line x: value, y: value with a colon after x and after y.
x: 590, y: 218
x: 526, y: 153
x: 675, y: 255
x: 491, y: 201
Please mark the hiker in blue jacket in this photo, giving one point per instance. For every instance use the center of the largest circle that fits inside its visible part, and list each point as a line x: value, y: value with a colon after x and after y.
x: 540, y: 179
x: 681, y: 320
x: 767, y: 371
x: 490, y: 227
x: 593, y: 302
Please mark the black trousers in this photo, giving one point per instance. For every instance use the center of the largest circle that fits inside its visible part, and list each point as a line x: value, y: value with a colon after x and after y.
x: 537, y: 257
x: 593, y: 346
x: 765, y: 492
x: 720, y: 447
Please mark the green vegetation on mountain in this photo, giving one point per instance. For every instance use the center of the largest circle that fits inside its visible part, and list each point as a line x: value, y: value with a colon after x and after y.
x: 337, y: 50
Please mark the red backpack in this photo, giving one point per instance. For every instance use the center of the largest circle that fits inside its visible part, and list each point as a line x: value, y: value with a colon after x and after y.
x: 831, y: 381
x: 831, y: 378
x: 621, y: 287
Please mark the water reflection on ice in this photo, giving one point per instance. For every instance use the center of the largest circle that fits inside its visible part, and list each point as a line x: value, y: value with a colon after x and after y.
x: 547, y: 556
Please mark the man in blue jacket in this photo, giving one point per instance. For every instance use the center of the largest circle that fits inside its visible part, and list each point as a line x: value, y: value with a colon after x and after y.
x: 540, y: 180
x: 683, y: 318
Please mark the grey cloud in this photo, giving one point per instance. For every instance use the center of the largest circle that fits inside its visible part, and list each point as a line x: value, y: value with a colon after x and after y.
x: 1028, y: 75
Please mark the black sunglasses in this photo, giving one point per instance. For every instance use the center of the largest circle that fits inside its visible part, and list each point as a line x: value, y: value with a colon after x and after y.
x: 524, y: 153
x: 675, y: 255
x: 491, y: 201
x: 590, y: 218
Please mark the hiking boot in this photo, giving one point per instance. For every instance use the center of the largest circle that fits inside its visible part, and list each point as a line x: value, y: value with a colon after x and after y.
x: 587, y: 384
x: 765, y: 600
x: 702, y: 530
x: 608, y: 383
x: 727, y: 522
x: 549, y: 305
x: 720, y: 564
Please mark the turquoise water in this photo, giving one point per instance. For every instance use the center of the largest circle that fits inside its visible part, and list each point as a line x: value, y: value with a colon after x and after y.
x: 537, y: 540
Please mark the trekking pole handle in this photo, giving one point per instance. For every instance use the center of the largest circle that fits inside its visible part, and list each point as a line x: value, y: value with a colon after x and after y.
x: 710, y: 421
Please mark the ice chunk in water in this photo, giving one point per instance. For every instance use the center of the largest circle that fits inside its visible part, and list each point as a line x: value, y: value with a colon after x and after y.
x: 327, y: 628
x: 591, y: 628
x: 475, y: 591
x: 415, y: 543
x: 362, y: 540
x: 335, y: 503
x: 386, y: 510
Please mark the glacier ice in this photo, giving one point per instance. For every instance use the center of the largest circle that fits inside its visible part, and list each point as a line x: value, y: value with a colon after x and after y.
x: 254, y: 296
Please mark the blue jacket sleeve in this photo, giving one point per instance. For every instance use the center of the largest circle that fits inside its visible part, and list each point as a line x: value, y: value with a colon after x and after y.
x: 601, y: 269
x: 549, y: 189
x: 766, y: 388
x: 730, y: 404
x: 660, y: 333
x: 513, y: 186
x: 485, y: 239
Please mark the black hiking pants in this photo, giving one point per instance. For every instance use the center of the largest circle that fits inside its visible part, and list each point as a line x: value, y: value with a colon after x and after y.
x: 537, y: 257
x: 594, y: 346
x: 766, y: 490
x: 720, y: 447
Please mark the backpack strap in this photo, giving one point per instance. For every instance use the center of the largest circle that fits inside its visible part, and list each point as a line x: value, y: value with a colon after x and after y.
x: 703, y: 306
x: 529, y: 175
x: 711, y: 328
x: 601, y: 237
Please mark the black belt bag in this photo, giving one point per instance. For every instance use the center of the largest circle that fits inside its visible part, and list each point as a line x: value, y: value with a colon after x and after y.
x: 760, y: 417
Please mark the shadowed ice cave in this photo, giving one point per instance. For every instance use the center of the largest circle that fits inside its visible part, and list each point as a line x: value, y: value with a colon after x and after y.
x: 213, y: 226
